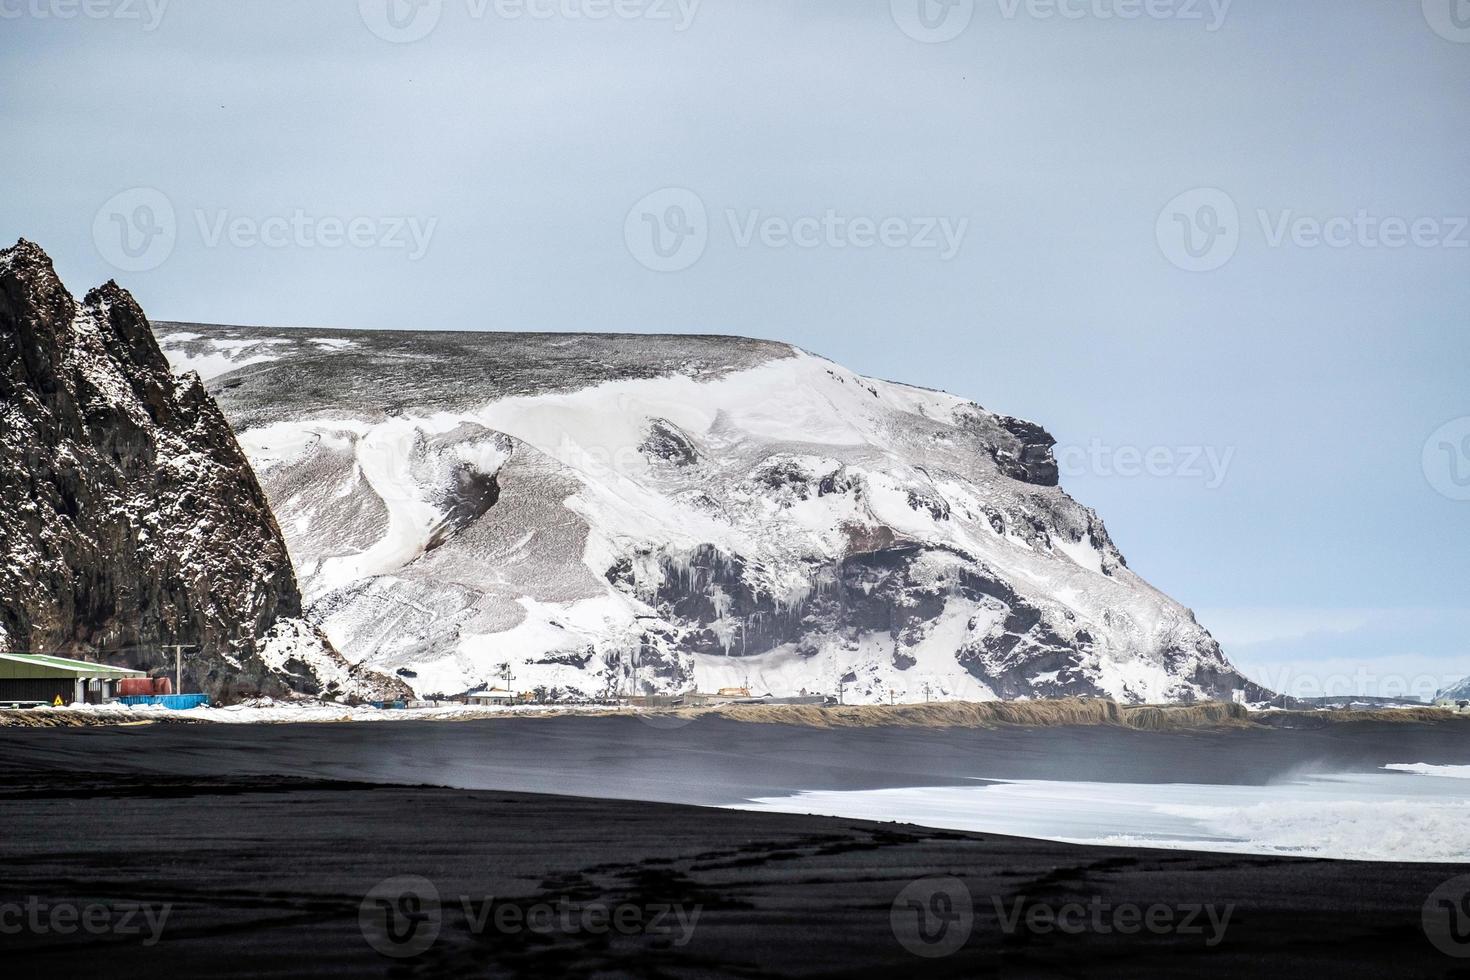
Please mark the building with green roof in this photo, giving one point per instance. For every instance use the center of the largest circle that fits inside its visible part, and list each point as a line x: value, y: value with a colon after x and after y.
x: 34, y: 678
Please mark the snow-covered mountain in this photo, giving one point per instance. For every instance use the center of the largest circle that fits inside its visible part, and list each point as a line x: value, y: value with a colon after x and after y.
x: 1455, y: 692
x: 607, y: 513
x: 129, y: 517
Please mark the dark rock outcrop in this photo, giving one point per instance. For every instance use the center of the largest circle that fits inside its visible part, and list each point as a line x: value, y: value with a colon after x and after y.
x: 667, y: 442
x: 130, y: 518
x: 891, y: 591
x: 1027, y: 456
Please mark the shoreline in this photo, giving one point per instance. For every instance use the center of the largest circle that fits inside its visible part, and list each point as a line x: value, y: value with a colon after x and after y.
x: 936, y: 715
x: 717, y: 760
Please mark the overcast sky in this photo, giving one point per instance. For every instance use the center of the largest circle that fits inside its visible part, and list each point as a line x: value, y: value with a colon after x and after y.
x: 1218, y: 249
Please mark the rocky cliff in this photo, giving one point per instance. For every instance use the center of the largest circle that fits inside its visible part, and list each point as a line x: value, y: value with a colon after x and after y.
x: 596, y: 514
x: 129, y: 517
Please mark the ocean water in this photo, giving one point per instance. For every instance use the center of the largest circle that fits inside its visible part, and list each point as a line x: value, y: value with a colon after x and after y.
x: 1404, y: 812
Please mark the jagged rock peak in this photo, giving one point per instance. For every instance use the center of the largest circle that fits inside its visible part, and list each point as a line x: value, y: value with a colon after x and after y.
x: 129, y: 516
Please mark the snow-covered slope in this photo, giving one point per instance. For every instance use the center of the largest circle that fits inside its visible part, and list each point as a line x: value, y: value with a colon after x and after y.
x: 658, y: 514
x: 1455, y: 692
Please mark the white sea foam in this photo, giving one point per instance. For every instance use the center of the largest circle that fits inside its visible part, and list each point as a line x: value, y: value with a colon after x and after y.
x: 1364, y: 817
x: 1426, y: 769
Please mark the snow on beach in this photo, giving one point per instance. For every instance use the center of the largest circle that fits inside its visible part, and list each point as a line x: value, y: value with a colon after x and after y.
x: 1379, y: 816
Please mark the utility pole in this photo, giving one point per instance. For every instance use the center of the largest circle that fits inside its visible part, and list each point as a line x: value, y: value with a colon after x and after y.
x: 178, y: 649
x: 504, y: 672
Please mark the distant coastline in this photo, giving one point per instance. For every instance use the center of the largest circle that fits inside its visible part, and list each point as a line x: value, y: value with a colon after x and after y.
x: 946, y: 714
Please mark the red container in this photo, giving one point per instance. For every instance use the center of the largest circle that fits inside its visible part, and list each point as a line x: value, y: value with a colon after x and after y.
x: 144, y: 685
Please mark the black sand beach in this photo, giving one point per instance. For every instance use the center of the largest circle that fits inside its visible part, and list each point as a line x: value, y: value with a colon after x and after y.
x: 264, y: 842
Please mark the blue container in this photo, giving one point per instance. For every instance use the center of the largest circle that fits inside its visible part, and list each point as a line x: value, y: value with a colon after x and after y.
x: 176, y: 702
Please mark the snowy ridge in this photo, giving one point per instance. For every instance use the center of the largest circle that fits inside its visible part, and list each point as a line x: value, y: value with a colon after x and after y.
x: 661, y: 514
x: 1455, y: 692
